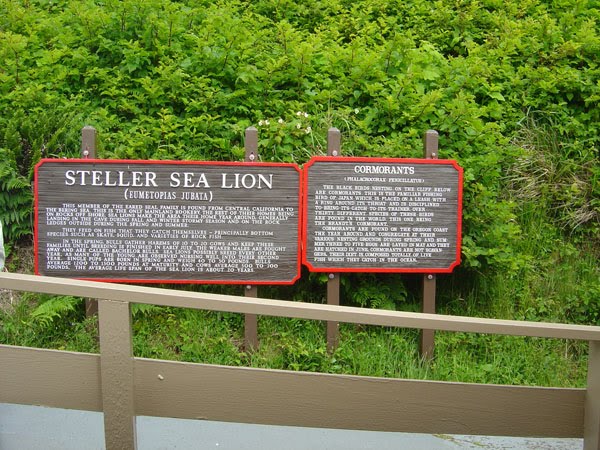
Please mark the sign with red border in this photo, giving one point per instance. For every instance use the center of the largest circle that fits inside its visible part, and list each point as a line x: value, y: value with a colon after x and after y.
x: 168, y: 221
x: 382, y: 215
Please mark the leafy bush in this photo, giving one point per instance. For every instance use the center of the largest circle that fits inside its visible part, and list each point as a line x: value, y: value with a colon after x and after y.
x: 512, y: 88
x: 171, y: 80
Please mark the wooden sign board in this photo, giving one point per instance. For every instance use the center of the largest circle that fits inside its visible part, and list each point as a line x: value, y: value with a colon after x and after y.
x: 382, y: 215
x: 168, y: 221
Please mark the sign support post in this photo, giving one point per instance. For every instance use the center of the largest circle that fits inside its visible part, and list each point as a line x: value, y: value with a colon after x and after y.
x: 251, y: 320
x: 88, y: 151
x: 333, y: 280
x: 430, y: 151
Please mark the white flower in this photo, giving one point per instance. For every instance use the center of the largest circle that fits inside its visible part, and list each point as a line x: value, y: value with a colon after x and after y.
x: 298, y: 113
x: 260, y: 123
x: 356, y: 110
x: 308, y: 130
x: 305, y: 114
x: 298, y: 125
x: 267, y: 122
x: 280, y: 121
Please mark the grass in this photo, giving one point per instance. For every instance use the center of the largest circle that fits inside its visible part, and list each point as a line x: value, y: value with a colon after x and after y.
x: 293, y: 344
x: 557, y: 282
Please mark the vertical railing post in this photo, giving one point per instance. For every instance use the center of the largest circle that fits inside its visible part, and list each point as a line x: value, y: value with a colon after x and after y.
x: 333, y: 280
x: 427, y: 344
x: 251, y: 320
x: 89, y: 139
x: 116, y: 370
x: 591, y: 427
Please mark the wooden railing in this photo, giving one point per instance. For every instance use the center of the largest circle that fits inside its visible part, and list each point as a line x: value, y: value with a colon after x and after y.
x: 123, y: 386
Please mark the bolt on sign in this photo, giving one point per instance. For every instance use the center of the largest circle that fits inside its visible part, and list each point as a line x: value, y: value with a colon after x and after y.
x: 168, y: 221
x: 382, y: 215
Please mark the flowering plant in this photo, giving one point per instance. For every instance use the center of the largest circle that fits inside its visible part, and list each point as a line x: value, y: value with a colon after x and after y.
x: 288, y: 139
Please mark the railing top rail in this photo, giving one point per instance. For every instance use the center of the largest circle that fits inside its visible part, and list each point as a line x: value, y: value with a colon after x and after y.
x: 300, y: 310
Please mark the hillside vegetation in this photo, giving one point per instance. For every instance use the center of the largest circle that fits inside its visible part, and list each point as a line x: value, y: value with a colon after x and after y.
x: 512, y: 87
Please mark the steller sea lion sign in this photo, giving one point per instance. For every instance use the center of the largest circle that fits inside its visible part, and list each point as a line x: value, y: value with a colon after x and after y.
x: 168, y: 221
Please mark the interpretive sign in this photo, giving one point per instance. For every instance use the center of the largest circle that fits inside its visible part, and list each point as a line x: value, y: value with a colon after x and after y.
x: 168, y: 221
x: 382, y: 215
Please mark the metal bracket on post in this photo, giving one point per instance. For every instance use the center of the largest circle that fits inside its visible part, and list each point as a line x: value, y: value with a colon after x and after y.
x: 89, y: 138
x: 251, y: 320
x: 427, y: 344
x: 333, y: 280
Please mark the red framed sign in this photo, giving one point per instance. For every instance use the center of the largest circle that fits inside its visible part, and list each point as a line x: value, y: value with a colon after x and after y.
x: 382, y: 215
x: 168, y: 221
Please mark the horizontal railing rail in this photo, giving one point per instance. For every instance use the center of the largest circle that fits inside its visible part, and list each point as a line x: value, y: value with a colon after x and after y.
x: 299, y: 310
x: 126, y: 386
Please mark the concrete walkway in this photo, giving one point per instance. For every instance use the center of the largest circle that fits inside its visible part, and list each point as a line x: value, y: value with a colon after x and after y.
x: 39, y: 428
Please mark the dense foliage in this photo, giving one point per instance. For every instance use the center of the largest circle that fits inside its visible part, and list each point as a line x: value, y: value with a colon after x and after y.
x: 511, y: 86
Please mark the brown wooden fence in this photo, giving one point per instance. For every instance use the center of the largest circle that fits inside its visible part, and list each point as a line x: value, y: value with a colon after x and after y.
x: 123, y: 386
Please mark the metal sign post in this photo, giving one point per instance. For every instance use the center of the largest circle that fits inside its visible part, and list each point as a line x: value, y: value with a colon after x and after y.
x: 89, y: 139
x: 251, y: 320
x: 430, y: 151
x: 333, y: 280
